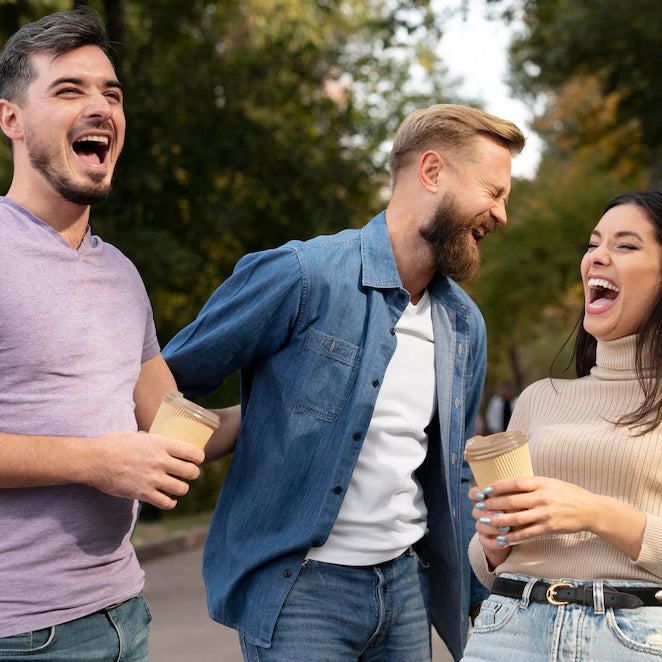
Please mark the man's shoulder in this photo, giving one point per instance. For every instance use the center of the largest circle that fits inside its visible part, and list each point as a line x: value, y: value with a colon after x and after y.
x: 326, y: 254
x: 342, y: 240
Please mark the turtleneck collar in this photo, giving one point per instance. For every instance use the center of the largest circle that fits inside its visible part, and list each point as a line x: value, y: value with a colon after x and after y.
x: 615, y: 359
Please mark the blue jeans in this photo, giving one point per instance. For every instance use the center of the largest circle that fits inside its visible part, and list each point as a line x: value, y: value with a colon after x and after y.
x: 515, y: 630
x: 118, y: 634
x: 341, y: 613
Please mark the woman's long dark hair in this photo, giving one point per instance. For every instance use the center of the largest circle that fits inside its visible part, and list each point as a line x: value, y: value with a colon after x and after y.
x: 648, y: 354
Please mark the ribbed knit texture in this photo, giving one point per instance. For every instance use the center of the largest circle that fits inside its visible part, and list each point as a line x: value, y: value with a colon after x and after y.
x: 573, y: 437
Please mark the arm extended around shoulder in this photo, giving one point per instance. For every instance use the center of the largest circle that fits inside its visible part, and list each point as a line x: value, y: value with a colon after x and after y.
x: 249, y: 316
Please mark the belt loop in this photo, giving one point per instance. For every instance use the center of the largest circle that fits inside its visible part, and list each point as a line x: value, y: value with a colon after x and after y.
x: 526, y: 593
x: 598, y: 597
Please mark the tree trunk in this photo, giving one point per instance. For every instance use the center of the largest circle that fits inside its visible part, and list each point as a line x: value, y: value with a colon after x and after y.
x: 115, y: 28
x: 115, y: 24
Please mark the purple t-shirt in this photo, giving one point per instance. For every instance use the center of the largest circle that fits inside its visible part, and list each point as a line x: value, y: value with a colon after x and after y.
x: 75, y: 326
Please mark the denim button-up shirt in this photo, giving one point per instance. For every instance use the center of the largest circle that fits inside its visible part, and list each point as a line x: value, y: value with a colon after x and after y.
x: 310, y: 326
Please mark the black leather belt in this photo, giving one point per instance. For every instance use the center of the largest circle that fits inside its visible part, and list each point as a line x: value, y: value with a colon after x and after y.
x: 562, y: 593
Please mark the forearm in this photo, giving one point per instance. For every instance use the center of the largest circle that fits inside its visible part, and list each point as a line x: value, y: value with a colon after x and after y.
x: 39, y: 461
x: 619, y: 525
x: 126, y: 464
x: 223, y: 441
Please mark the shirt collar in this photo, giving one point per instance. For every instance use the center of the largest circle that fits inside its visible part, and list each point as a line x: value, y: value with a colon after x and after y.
x: 377, y: 258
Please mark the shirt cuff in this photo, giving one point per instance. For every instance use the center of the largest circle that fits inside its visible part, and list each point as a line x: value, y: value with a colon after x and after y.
x: 649, y: 555
x: 479, y: 563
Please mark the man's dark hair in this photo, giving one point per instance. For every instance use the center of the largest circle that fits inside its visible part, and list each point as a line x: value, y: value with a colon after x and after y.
x: 56, y: 34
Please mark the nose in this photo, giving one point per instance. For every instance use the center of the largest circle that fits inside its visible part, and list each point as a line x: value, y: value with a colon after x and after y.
x: 599, y: 255
x: 498, y: 212
x: 99, y: 106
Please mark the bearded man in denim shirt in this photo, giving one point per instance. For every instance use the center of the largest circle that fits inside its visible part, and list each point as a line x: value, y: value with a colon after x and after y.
x: 342, y: 527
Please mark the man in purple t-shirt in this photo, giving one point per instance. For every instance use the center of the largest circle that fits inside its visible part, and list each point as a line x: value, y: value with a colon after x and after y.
x: 80, y: 366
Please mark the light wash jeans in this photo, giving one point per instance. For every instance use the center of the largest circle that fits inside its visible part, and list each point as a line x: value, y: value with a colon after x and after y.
x: 515, y: 630
x: 338, y: 613
x: 111, y: 635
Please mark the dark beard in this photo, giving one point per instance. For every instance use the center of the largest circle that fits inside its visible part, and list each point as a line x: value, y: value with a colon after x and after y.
x: 80, y: 194
x: 455, y: 256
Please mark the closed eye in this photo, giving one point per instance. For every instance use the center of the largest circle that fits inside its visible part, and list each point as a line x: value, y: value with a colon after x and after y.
x: 67, y: 90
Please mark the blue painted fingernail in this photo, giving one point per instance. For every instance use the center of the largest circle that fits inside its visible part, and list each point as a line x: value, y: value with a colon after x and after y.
x: 501, y: 539
x: 504, y: 529
x: 485, y: 520
x: 480, y: 496
x: 480, y: 505
x: 500, y: 512
x: 488, y: 490
x: 501, y: 543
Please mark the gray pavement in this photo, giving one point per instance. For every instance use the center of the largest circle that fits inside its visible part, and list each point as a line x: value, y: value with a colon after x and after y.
x: 181, y: 630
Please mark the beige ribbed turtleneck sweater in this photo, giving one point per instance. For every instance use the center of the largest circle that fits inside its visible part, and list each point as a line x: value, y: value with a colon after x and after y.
x: 571, y: 438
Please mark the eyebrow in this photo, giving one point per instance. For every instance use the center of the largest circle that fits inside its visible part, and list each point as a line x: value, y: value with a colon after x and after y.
x: 79, y: 81
x: 619, y: 235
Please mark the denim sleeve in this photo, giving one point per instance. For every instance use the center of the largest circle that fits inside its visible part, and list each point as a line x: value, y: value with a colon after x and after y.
x: 474, y: 394
x: 249, y: 316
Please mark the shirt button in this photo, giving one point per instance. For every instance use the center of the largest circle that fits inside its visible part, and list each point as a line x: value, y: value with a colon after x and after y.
x: 457, y: 402
x: 453, y: 458
x: 392, y: 332
x: 375, y: 382
x: 356, y: 436
x: 459, y: 348
x: 337, y: 489
x: 287, y: 573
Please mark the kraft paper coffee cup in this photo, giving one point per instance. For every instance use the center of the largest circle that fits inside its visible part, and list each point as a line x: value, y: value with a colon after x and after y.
x: 179, y: 418
x: 497, y: 456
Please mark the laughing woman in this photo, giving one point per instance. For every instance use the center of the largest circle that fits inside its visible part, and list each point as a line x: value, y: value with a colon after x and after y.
x: 576, y: 571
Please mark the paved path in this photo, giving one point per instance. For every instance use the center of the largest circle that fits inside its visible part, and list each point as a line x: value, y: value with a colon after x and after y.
x: 181, y: 630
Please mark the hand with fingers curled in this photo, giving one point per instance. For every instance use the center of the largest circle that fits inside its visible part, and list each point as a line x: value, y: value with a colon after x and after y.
x: 148, y: 467
x: 515, y: 510
x: 490, y: 526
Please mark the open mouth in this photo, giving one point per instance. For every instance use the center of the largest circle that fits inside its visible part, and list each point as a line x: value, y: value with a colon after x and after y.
x: 479, y: 232
x: 601, y: 292
x: 92, y: 149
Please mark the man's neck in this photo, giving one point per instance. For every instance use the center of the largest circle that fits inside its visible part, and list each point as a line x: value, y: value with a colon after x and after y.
x: 67, y: 218
x: 411, y: 253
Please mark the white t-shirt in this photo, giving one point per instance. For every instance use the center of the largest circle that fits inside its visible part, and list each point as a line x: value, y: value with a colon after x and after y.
x: 383, y: 511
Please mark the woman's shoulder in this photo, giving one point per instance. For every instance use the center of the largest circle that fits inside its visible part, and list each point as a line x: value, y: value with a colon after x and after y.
x: 553, y: 385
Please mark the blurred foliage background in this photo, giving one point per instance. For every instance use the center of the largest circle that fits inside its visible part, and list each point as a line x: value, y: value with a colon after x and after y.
x: 252, y: 122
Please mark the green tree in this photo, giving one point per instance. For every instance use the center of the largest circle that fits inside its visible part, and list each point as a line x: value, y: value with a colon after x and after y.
x: 617, y: 41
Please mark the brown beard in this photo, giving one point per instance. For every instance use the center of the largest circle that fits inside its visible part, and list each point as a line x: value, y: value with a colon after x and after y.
x: 447, y: 234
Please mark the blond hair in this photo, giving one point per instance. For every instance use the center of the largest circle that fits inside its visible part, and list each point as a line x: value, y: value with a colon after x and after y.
x: 453, y: 128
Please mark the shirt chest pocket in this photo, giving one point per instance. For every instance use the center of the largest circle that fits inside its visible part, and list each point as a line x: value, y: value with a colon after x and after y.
x: 324, y: 375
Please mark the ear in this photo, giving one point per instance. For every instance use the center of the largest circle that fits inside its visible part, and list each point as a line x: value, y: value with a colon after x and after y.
x: 10, y: 120
x: 430, y: 166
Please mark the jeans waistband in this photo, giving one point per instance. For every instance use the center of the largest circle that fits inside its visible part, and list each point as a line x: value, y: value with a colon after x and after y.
x: 563, y: 593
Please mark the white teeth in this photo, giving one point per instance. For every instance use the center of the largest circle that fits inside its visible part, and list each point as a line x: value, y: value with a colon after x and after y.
x: 93, y: 139
x: 601, y: 282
